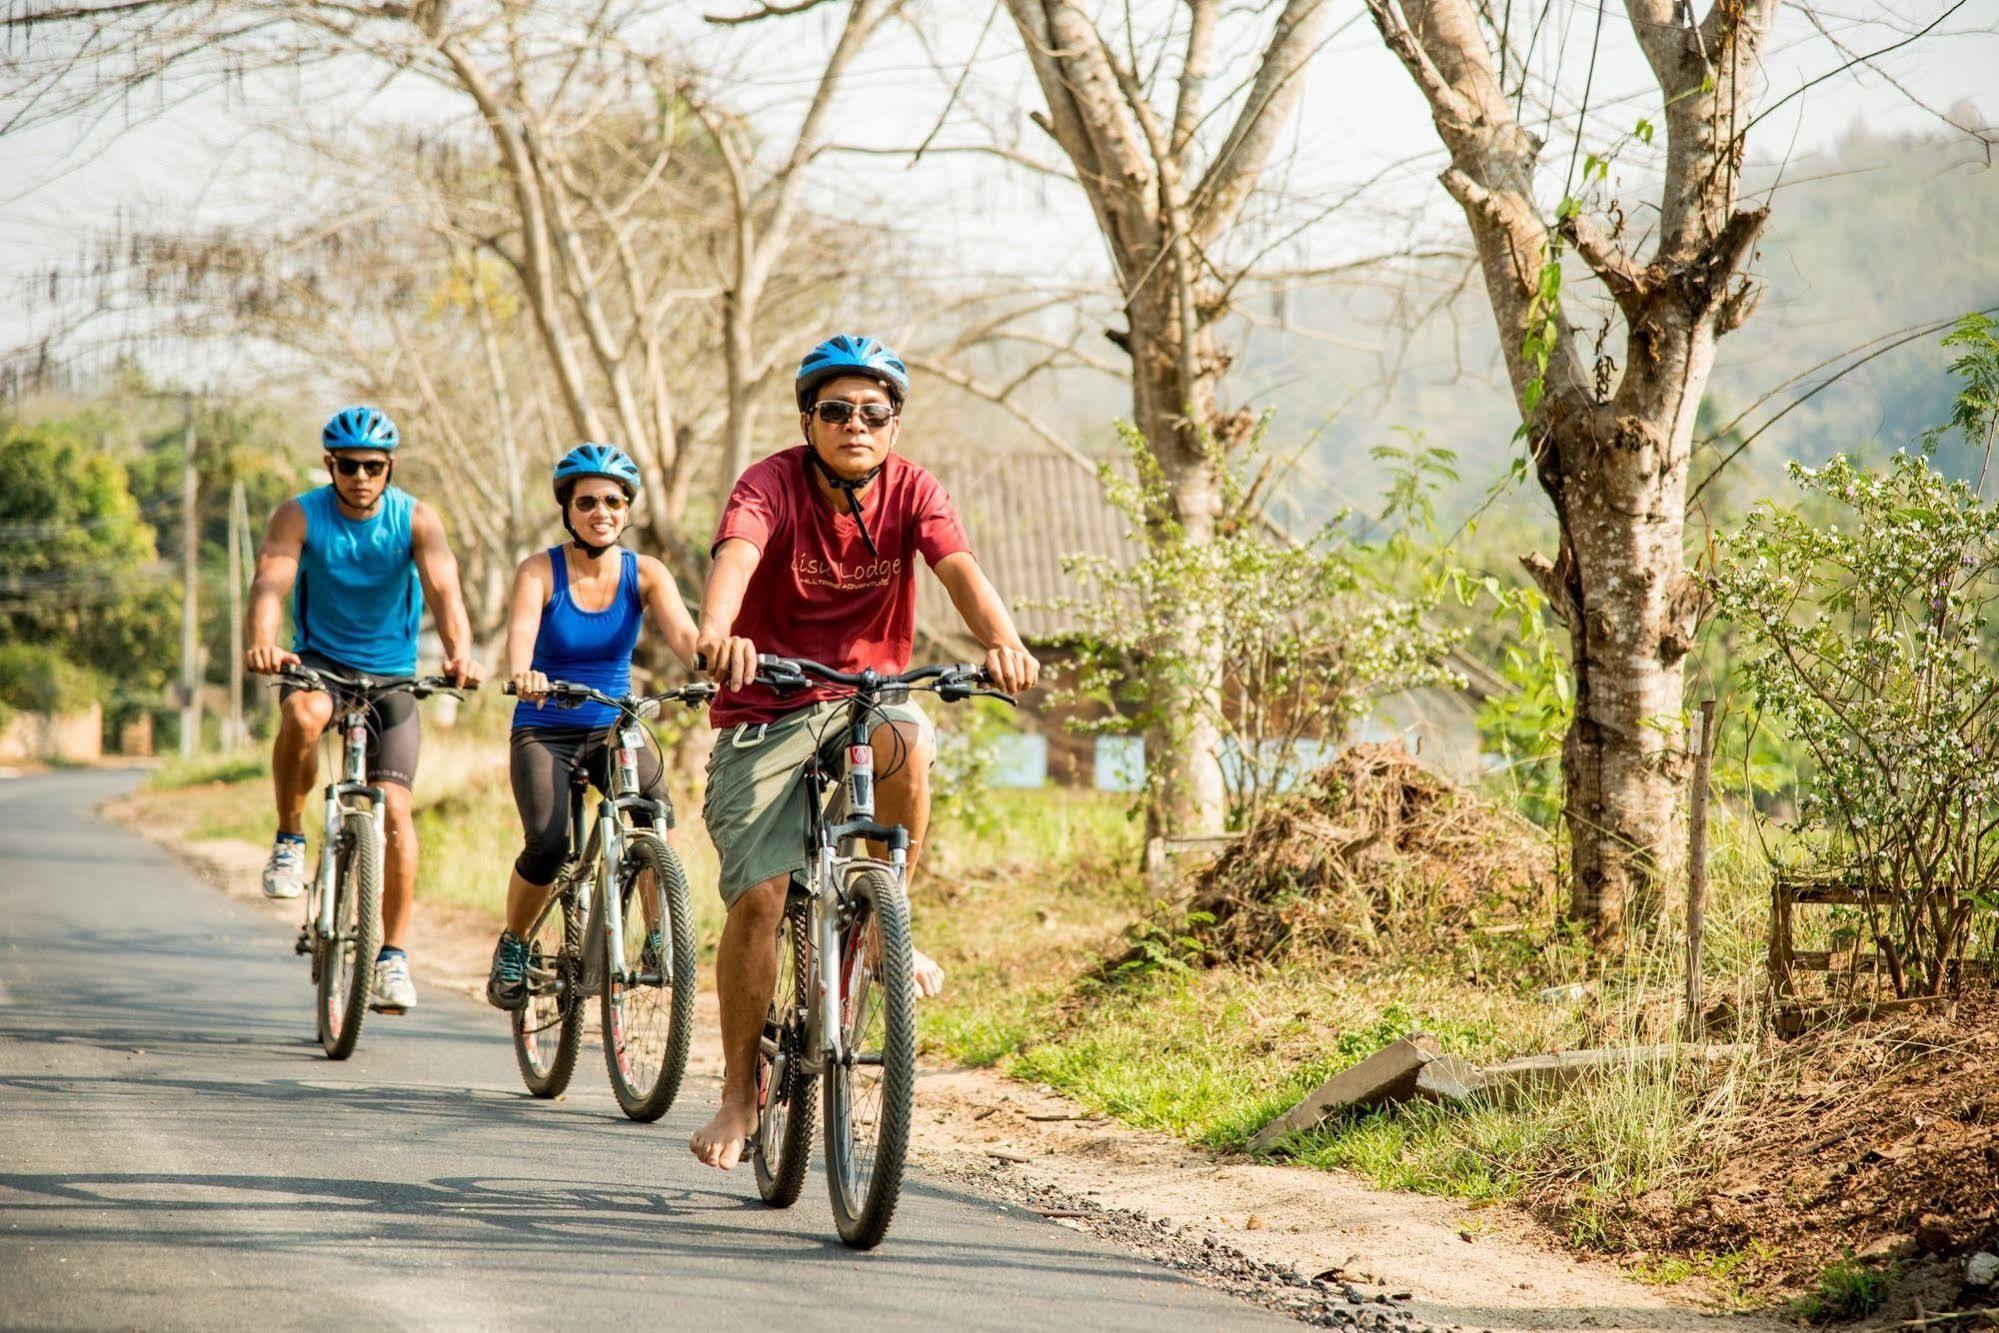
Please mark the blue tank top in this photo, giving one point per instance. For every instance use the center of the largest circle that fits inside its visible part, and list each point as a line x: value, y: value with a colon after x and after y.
x: 357, y: 600
x: 585, y: 647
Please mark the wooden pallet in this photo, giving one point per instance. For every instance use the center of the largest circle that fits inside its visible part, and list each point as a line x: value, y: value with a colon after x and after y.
x: 1794, y: 1011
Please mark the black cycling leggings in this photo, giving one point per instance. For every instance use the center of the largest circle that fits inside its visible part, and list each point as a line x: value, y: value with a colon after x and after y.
x: 542, y: 760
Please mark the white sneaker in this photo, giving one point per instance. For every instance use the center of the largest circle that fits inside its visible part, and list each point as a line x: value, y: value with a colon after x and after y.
x: 394, y: 992
x: 284, y: 873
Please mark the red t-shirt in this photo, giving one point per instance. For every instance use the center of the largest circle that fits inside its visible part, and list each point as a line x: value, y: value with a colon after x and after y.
x: 817, y: 593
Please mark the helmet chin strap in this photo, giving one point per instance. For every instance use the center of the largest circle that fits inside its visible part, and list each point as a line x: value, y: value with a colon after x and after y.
x: 851, y: 489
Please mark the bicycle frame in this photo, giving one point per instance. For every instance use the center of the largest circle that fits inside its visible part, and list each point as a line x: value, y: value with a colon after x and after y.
x: 836, y: 864
x: 607, y: 841
x: 339, y: 797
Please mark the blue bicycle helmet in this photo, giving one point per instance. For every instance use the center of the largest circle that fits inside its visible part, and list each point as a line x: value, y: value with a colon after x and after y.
x: 851, y: 354
x: 590, y: 459
x: 359, y: 428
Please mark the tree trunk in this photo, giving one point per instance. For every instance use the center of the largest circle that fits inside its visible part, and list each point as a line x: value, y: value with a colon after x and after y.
x: 1189, y: 796
x: 1613, y: 462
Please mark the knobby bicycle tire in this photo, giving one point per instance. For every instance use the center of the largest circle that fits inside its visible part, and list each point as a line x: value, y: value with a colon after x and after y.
x: 786, y: 1097
x: 864, y: 1202
x: 347, y: 967
x: 625, y: 1008
x: 548, y: 1031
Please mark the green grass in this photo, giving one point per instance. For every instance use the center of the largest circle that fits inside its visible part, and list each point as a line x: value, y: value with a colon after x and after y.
x: 1723, y: 1273
x: 227, y: 769
x: 1846, y: 1290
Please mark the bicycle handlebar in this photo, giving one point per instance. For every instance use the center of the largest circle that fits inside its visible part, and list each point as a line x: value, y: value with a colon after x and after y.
x: 357, y: 683
x: 567, y: 694
x: 950, y: 682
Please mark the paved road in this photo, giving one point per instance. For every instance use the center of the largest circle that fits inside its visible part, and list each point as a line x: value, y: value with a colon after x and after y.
x: 175, y: 1152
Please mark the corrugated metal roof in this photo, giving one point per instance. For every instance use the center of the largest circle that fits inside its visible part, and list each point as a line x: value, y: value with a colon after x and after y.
x: 1024, y: 512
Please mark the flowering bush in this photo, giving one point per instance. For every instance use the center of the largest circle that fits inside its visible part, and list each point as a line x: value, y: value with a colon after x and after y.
x: 1871, y: 641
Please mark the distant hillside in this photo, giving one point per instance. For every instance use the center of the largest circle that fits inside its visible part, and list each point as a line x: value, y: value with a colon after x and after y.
x: 1875, y: 236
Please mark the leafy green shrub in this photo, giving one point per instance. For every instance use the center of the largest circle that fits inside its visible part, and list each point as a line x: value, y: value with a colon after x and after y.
x: 1296, y: 639
x: 38, y: 679
x: 1871, y: 643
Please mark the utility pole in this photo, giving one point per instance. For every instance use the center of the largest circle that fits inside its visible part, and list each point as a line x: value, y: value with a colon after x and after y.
x: 190, y: 552
x: 238, y: 522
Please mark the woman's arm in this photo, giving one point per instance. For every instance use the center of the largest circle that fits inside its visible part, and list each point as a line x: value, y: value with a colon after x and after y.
x: 669, y: 610
x: 534, y: 582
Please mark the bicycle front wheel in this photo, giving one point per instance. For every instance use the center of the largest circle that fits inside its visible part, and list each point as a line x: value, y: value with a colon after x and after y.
x: 347, y: 959
x: 648, y: 1015
x: 870, y: 1089
x: 786, y: 1097
x: 549, y: 1030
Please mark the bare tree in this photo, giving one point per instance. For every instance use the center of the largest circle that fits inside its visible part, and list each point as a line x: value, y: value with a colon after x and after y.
x: 763, y: 212
x: 1609, y: 438
x: 1166, y: 194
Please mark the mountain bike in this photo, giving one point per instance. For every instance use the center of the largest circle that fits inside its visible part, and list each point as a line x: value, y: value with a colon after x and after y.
x: 845, y: 1008
x: 342, y: 930
x: 617, y: 925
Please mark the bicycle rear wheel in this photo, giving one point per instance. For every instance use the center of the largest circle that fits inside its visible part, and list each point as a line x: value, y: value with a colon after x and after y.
x: 347, y: 959
x: 869, y: 1092
x: 648, y: 1018
x: 549, y: 1030
x: 786, y: 1097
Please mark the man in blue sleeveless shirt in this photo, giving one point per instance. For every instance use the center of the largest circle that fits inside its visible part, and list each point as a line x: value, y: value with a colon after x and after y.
x: 359, y: 557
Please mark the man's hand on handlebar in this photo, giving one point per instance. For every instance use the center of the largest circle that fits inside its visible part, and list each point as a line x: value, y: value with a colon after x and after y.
x: 1012, y: 669
x: 464, y: 672
x: 530, y: 685
x: 267, y: 659
x: 730, y: 661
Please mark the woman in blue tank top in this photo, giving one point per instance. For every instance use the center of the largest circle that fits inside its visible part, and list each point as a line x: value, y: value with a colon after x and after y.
x: 575, y: 617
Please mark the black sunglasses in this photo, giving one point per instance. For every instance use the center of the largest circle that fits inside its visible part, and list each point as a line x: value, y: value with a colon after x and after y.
x: 838, y: 412
x: 354, y: 467
x: 614, y: 504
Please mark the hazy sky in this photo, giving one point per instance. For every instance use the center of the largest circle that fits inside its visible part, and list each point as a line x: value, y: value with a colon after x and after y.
x: 210, y: 161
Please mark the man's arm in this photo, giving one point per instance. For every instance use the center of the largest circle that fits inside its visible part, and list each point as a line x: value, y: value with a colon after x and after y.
x: 438, y: 569
x: 277, y: 570
x: 669, y: 612
x: 1009, y: 663
x: 731, y: 661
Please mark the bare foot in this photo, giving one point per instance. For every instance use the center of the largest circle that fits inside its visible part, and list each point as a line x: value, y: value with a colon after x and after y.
x: 929, y: 976
x: 720, y: 1142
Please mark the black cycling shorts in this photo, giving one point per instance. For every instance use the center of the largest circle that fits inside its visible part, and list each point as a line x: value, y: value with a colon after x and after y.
x: 393, y: 726
x: 542, y: 760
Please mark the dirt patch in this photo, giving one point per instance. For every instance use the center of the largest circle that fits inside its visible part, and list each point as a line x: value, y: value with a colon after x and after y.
x: 1879, y: 1141
x: 1319, y: 1247
x: 1375, y: 850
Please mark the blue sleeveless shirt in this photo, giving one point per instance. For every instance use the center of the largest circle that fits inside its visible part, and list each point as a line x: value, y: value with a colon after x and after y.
x: 357, y: 599
x: 585, y: 647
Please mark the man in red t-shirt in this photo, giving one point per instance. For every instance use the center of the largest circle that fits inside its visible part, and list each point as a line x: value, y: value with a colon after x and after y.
x: 815, y: 557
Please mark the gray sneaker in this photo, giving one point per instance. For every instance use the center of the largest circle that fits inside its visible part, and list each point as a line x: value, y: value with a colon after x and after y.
x: 284, y: 873
x: 394, y: 992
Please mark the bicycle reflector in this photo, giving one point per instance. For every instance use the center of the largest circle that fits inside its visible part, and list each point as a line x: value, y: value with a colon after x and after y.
x: 860, y: 781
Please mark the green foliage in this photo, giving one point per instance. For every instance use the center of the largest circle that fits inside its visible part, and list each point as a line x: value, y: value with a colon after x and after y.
x: 36, y: 678
x: 75, y: 552
x: 1870, y: 643
x: 1846, y: 1290
x: 1524, y: 727
x: 961, y: 779
x: 1285, y: 642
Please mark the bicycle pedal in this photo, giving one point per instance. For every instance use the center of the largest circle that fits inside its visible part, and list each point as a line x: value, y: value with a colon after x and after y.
x: 303, y: 944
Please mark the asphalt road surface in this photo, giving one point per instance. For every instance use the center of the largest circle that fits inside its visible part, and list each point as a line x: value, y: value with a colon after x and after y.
x: 176, y: 1152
